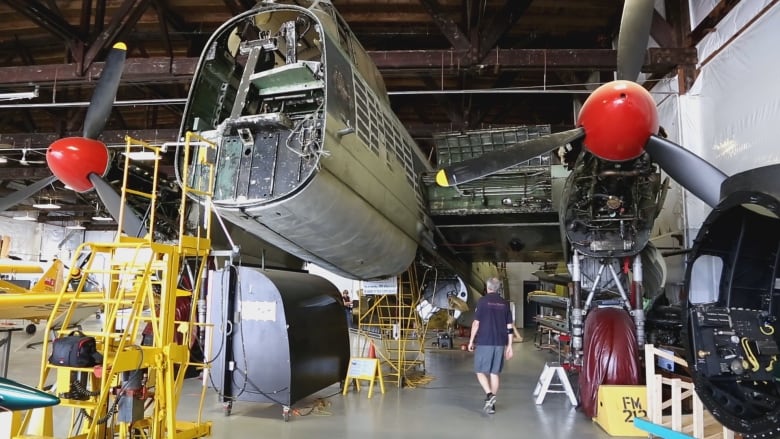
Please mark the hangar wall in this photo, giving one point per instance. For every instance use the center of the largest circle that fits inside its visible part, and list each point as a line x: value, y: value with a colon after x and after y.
x: 33, y: 241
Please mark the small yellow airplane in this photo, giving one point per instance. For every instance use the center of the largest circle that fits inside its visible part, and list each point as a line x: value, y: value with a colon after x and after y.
x: 36, y: 303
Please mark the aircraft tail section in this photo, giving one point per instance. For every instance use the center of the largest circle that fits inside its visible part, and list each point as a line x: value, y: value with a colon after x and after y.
x: 52, y: 279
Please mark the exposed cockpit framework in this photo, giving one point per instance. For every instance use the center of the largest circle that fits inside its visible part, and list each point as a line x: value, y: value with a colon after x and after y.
x: 311, y: 157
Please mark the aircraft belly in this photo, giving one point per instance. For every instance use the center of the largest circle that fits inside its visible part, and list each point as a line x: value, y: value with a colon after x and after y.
x: 325, y: 223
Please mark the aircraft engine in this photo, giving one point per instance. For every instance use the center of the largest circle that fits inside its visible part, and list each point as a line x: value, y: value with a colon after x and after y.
x: 447, y: 293
x: 611, y: 207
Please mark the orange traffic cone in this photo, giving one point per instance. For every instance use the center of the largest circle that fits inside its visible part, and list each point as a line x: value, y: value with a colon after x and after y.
x: 371, y: 351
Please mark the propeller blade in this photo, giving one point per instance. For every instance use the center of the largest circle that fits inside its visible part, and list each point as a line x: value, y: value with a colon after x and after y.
x: 105, y: 92
x: 23, y: 194
x: 694, y: 173
x: 633, y: 37
x: 132, y: 225
x: 494, y: 161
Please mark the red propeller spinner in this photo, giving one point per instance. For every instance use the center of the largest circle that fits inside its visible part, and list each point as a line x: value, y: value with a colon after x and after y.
x: 73, y: 159
x: 618, y: 118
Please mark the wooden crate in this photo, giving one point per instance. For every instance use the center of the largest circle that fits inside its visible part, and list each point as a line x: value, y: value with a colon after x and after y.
x: 700, y: 424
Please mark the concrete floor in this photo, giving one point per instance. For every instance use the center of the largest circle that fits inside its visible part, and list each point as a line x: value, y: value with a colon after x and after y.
x: 448, y: 406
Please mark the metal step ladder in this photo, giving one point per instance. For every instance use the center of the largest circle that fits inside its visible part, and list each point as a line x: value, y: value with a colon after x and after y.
x: 546, y: 384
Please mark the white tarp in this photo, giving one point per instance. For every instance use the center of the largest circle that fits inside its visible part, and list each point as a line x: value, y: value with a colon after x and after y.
x: 738, y: 18
x: 670, y: 222
x: 729, y: 115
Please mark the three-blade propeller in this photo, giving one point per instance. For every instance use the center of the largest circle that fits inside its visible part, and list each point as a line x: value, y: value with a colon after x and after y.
x: 618, y: 121
x: 81, y: 162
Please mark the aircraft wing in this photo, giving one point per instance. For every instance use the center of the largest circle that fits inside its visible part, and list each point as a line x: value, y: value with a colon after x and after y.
x: 79, y: 315
x: 10, y: 266
x: 28, y: 306
x: 35, y: 303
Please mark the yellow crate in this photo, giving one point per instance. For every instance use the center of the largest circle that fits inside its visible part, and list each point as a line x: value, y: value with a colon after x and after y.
x: 617, y: 407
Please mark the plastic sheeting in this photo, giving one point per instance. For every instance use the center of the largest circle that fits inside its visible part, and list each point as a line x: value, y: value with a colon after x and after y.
x: 729, y: 116
x: 738, y: 17
x: 610, y: 354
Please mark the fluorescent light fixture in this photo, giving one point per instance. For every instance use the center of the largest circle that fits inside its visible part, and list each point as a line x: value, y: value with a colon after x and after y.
x: 99, y: 215
x: 19, y: 95
x: 26, y: 217
x: 48, y: 205
x: 141, y: 155
x: 3, y: 160
x: 75, y: 227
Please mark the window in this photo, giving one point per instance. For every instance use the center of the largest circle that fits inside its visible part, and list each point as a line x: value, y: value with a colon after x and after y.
x: 705, y: 279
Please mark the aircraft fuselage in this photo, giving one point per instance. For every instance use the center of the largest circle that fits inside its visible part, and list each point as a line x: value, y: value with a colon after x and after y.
x: 310, y: 156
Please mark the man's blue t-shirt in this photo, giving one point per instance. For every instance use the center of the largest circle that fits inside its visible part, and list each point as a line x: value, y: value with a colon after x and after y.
x: 493, y: 314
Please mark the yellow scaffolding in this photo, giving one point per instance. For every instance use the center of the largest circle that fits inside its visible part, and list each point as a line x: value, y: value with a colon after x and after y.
x: 391, y: 323
x: 134, y: 391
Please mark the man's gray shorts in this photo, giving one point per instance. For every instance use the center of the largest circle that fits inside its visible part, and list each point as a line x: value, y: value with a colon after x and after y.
x: 489, y: 359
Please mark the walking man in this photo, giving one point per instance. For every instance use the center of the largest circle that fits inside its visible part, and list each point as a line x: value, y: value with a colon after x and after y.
x: 492, y: 333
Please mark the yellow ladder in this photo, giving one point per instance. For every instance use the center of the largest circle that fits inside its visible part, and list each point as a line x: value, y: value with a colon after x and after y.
x: 142, y: 282
x: 393, y: 320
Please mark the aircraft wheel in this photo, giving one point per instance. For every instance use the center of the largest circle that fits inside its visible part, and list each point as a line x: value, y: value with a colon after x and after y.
x: 610, y: 354
x: 30, y: 329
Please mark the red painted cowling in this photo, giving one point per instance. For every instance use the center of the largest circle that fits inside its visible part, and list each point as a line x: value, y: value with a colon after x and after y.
x: 609, y: 354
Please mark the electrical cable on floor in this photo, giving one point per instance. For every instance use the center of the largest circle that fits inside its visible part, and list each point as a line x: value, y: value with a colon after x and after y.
x: 418, y: 380
x: 319, y: 408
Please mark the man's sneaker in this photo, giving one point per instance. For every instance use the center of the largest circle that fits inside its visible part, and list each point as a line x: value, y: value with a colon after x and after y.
x: 490, y: 401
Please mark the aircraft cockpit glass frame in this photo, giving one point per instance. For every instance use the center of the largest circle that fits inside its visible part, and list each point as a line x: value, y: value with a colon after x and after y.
x: 705, y: 279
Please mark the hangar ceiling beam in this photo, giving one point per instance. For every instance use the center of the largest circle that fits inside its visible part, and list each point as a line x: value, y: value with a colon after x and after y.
x: 448, y: 28
x: 712, y: 19
x: 162, y: 20
x: 110, y: 137
x: 662, y: 32
x: 472, y: 47
x: 552, y: 59
x: 238, y: 6
x: 125, y: 18
x: 491, y: 31
x: 158, y: 69
x: 25, y: 172
x: 450, y: 104
x: 163, y: 69
x: 47, y: 19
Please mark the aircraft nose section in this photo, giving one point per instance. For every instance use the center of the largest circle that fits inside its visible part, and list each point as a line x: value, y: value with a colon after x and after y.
x: 73, y: 159
x: 16, y: 396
